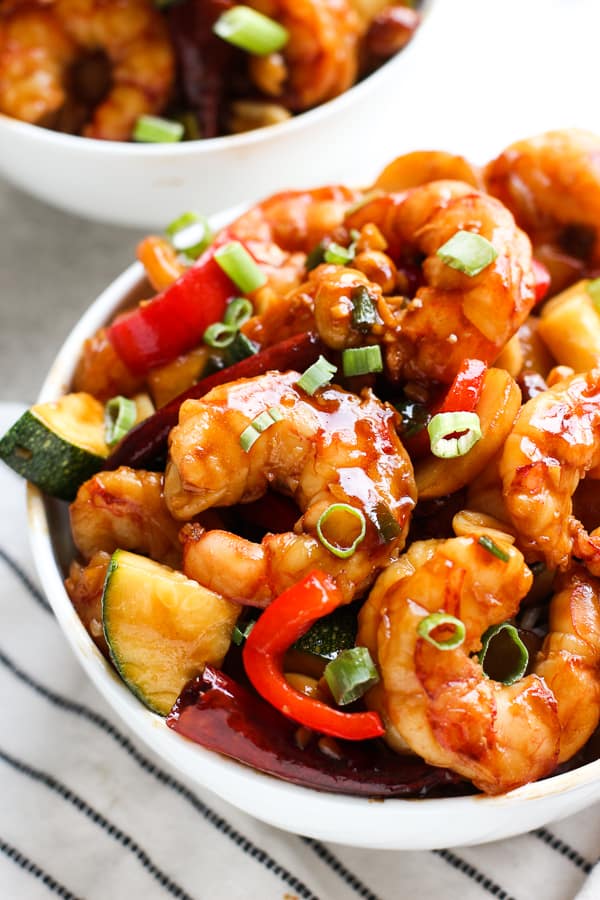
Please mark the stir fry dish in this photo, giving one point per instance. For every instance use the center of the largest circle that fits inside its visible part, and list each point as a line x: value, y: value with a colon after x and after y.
x: 334, y: 483
x: 169, y: 70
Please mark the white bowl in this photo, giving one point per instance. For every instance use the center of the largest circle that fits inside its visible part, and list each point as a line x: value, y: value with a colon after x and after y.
x: 149, y: 185
x: 394, y: 823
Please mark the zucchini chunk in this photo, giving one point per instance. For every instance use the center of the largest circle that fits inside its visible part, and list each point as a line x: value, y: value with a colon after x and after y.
x: 330, y: 635
x: 58, y: 445
x: 161, y: 627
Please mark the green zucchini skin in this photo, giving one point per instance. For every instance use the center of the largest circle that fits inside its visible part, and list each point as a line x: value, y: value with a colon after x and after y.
x: 46, y: 459
x: 329, y: 635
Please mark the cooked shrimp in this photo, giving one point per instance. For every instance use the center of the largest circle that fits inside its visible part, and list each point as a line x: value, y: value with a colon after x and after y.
x: 125, y: 509
x: 331, y: 448
x: 320, y: 59
x: 440, y: 702
x: 555, y: 441
x: 38, y: 47
x: 452, y: 316
x: 551, y: 183
x: 85, y: 586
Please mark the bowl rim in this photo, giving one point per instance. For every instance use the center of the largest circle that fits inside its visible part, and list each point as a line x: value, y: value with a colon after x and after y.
x: 394, y: 823
x: 228, y: 142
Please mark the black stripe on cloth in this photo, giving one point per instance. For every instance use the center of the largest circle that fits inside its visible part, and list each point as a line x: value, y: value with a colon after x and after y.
x: 564, y: 849
x: 98, y: 819
x: 163, y: 777
x: 474, y: 874
x: 340, y: 869
x: 28, y: 866
x: 25, y: 580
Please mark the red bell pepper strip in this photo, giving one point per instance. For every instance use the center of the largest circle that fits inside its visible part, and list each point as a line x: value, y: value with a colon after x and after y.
x: 542, y: 279
x: 282, y: 623
x: 222, y: 715
x: 463, y: 396
x: 174, y: 321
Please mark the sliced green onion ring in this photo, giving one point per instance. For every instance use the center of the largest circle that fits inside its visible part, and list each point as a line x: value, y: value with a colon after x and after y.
x: 248, y: 438
x: 190, y: 234
x: 154, y: 130
x: 240, y: 348
x: 362, y: 360
x: 249, y: 30
x: 433, y: 621
x: 493, y: 548
x: 337, y: 549
x: 443, y: 426
x: 120, y: 414
x: 239, y: 635
x: 593, y: 289
x: 316, y: 376
x: 385, y: 522
x: 338, y: 255
x: 315, y: 257
x: 468, y: 252
x: 238, y: 312
x: 236, y: 262
x: 364, y: 310
x: 350, y: 675
x: 219, y: 335
x: 263, y: 420
x: 514, y: 646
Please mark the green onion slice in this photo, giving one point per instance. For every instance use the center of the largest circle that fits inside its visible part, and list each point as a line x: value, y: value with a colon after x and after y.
x: 343, y: 551
x: 120, y: 414
x: 453, y: 434
x: 385, y: 522
x: 239, y: 635
x: 248, y: 438
x: 219, y: 335
x: 315, y: 257
x: 362, y: 360
x: 468, y: 252
x: 250, y: 30
x: 154, y: 130
x: 316, y: 376
x: 503, y: 656
x: 593, y: 289
x: 340, y: 256
x: 493, y: 548
x: 236, y: 262
x: 239, y: 311
x: 350, y: 675
x: 435, y: 620
x: 364, y: 310
x: 263, y: 420
x: 366, y: 198
x: 240, y: 348
x: 190, y: 234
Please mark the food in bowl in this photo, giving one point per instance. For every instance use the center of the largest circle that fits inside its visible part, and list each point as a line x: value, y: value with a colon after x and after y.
x: 350, y: 547
x: 187, y: 69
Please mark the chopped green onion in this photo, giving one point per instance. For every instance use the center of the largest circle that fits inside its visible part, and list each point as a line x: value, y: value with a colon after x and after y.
x: 264, y: 420
x: 219, y: 335
x: 190, y: 234
x: 248, y: 437
x: 239, y: 635
x: 240, y: 348
x: 362, y: 360
x: 315, y: 257
x: 250, y: 30
x: 435, y: 620
x: 340, y: 256
x: 468, y: 252
x: 593, y: 289
x: 236, y: 262
x: 154, y: 130
x: 509, y: 660
x: 120, y: 414
x: 276, y: 413
x: 366, y: 198
x: 493, y: 548
x: 350, y: 675
x: 446, y: 437
x: 343, y: 552
x: 385, y: 522
x: 316, y: 376
x: 238, y: 312
x: 364, y: 310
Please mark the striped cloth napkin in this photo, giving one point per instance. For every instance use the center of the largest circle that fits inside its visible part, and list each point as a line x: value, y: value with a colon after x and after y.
x: 87, y: 812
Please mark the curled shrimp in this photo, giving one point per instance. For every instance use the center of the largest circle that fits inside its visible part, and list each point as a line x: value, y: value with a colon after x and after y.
x: 125, y: 509
x: 551, y: 183
x: 439, y: 702
x: 452, y: 316
x: 320, y: 59
x: 38, y: 47
x: 555, y: 441
x: 333, y: 448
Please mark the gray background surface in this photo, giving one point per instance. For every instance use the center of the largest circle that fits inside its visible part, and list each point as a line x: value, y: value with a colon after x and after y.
x: 52, y: 265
